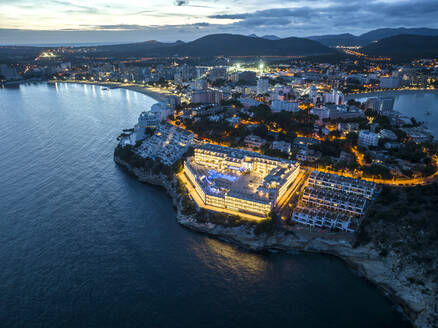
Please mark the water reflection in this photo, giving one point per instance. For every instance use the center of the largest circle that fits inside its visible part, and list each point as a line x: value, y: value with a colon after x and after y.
x: 224, y: 259
x: 93, y: 90
x: 423, y: 105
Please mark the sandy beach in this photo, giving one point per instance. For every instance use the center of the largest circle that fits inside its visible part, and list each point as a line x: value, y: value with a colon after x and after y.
x: 155, y: 93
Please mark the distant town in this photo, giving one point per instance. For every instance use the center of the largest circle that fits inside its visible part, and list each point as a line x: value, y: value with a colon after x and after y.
x: 267, y: 135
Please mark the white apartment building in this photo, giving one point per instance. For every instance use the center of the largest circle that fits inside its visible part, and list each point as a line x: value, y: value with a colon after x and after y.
x: 335, y: 182
x: 323, y: 219
x: 322, y: 112
x: 288, y: 106
x: 148, y: 119
x: 200, y: 84
x: 262, y: 86
x: 335, y: 97
x: 253, y: 141
x: 282, y: 146
x: 313, y: 94
x: 391, y: 82
x: 368, y: 138
x: 388, y: 134
x: 334, y: 202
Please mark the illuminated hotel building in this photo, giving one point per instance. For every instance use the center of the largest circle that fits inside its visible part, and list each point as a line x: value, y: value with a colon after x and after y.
x: 239, y: 180
x: 335, y: 182
x: 334, y: 202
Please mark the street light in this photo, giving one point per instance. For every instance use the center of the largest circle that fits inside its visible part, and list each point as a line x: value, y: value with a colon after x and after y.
x: 261, y: 67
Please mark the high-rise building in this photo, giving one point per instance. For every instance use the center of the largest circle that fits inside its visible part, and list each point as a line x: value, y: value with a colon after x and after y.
x: 283, y: 105
x: 200, y: 84
x: 368, y: 138
x: 148, y: 119
x: 247, y: 76
x: 206, y: 96
x: 371, y: 103
x: 173, y: 101
x: 10, y: 73
x: 335, y: 97
x: 313, y: 94
x: 384, y: 105
x: 262, y: 86
x: 391, y: 82
x: 217, y: 73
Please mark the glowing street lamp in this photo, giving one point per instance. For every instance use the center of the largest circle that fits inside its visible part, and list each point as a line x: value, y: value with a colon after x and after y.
x: 261, y: 67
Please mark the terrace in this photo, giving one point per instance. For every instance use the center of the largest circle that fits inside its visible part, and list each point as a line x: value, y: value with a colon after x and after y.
x: 227, y: 182
x: 322, y: 218
x: 340, y: 201
x: 336, y: 182
x: 239, y: 180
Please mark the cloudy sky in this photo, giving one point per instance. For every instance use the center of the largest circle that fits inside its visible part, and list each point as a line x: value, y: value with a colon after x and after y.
x: 88, y: 21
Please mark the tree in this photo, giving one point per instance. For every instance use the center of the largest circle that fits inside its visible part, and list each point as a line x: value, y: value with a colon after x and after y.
x: 353, y: 138
x: 149, y: 131
x: 178, y: 166
x: 353, y: 102
x: 219, y: 83
x: 335, y: 133
x: 367, y: 158
x: 325, y: 161
x: 377, y: 171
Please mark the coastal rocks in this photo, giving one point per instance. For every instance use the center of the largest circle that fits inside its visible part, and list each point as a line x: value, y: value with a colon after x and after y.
x: 146, y: 176
x: 418, y: 300
x: 384, y: 272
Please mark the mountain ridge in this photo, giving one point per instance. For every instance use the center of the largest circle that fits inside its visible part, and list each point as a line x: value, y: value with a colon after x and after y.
x: 363, y: 39
x: 405, y: 46
x: 224, y: 44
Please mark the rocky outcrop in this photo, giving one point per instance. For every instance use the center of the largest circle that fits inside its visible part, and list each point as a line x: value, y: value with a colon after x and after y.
x: 418, y: 300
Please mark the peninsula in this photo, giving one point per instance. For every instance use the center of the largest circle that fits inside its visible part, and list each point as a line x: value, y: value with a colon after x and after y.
x: 272, y: 202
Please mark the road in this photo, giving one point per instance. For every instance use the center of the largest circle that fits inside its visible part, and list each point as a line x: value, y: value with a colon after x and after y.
x: 295, y: 186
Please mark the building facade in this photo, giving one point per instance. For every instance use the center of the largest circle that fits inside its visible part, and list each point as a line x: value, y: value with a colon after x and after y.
x: 262, y: 86
x: 239, y: 180
x: 368, y: 138
x: 333, y: 202
x: 288, y: 106
x: 209, y: 96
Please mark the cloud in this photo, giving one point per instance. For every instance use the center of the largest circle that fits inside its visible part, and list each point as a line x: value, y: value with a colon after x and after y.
x: 181, y: 2
x: 116, y: 27
x: 329, y: 17
x: 135, y: 27
x: 169, y: 20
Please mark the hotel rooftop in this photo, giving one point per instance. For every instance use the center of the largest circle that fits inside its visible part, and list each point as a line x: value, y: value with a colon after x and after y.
x: 239, y: 180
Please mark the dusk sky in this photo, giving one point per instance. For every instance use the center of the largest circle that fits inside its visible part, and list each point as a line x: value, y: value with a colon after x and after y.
x: 81, y: 21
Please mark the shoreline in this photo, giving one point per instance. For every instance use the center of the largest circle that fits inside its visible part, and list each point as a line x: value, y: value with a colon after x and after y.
x: 360, y: 95
x: 364, y: 259
x: 157, y: 96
